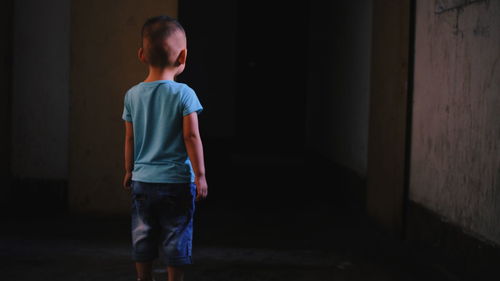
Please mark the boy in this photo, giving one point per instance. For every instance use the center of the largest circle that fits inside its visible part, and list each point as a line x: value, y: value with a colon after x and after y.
x: 164, y: 166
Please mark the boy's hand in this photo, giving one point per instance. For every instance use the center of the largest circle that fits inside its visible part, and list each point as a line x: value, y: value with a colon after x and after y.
x: 126, y: 181
x: 201, y: 188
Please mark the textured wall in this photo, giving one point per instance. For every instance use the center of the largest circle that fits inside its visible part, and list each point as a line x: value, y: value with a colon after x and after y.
x: 339, y: 81
x: 40, y: 89
x: 5, y: 91
x: 388, y: 114
x: 105, y: 36
x: 455, y: 168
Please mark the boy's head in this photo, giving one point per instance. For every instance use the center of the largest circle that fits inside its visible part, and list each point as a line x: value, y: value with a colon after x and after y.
x: 163, y: 43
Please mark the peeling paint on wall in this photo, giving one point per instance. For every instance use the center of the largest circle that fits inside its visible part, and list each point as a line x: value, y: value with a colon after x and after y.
x: 455, y: 167
x: 443, y: 6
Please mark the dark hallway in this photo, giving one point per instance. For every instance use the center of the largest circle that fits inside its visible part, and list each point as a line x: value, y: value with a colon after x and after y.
x: 353, y: 140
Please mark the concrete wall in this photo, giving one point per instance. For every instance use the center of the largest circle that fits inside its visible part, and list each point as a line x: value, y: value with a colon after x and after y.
x: 388, y: 113
x: 40, y: 89
x: 455, y: 167
x: 105, y: 36
x: 339, y: 81
x: 5, y: 96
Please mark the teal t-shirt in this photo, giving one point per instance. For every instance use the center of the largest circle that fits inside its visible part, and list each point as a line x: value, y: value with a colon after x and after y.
x: 156, y: 110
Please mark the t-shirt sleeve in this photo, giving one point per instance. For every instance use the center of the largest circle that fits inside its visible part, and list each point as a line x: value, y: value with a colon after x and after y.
x: 190, y: 102
x: 126, y: 109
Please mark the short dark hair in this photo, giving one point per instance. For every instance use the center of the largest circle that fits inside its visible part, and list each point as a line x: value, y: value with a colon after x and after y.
x: 156, y: 30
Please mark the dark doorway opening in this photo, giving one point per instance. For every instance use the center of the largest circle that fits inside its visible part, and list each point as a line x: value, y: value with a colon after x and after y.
x: 271, y: 72
x: 279, y: 125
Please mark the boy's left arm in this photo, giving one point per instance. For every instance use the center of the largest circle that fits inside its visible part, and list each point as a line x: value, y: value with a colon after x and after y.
x: 129, y: 154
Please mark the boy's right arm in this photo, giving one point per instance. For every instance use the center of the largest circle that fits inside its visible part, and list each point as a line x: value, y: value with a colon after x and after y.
x: 194, y: 149
x: 129, y: 154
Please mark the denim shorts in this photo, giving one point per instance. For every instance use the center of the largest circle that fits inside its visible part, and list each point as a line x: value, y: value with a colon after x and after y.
x: 162, y: 221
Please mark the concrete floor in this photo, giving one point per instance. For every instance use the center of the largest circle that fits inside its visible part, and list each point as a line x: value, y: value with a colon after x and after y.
x: 288, y: 228
x: 242, y: 245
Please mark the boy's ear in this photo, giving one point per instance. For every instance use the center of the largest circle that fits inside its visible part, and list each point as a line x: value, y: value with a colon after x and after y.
x: 181, y: 59
x: 140, y: 54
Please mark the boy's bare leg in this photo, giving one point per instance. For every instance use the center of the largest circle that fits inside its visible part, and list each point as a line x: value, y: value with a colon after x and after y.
x: 144, y: 271
x: 175, y: 273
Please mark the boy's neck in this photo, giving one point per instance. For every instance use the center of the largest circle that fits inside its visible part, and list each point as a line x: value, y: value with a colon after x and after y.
x: 156, y: 74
